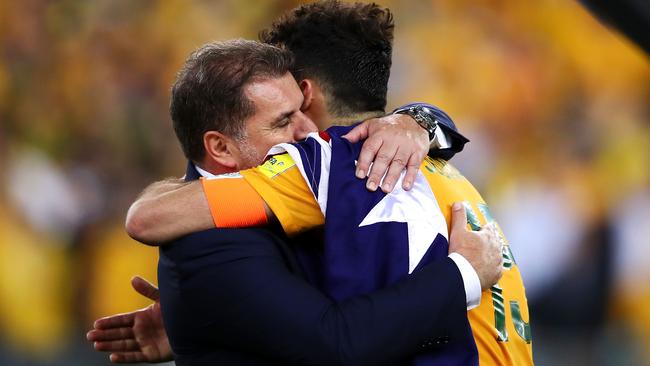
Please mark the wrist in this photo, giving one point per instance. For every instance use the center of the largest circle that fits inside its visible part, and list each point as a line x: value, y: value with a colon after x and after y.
x: 422, y: 117
x: 471, y: 280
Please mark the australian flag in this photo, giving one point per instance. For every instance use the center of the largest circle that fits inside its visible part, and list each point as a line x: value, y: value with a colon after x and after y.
x: 371, y: 239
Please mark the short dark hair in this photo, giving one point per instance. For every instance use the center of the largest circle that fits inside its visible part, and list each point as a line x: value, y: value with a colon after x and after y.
x: 345, y: 47
x: 208, y: 94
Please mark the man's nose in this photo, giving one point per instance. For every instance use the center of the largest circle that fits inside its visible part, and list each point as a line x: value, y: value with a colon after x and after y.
x: 304, y: 125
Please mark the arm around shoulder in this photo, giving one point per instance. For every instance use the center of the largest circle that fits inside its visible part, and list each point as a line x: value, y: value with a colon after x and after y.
x: 167, y: 210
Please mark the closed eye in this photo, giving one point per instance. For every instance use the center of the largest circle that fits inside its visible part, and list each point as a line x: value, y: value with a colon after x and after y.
x: 283, y: 123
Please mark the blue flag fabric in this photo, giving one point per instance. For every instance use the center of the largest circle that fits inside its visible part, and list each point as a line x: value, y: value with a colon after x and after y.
x: 372, y: 239
x: 360, y: 259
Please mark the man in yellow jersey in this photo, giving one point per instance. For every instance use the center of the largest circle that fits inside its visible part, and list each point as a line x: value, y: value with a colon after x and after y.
x: 314, y: 93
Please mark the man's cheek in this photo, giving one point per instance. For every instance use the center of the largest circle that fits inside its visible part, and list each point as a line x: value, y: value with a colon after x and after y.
x: 283, y: 137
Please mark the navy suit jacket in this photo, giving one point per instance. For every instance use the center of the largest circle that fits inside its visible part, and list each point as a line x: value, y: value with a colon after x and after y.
x: 238, y: 297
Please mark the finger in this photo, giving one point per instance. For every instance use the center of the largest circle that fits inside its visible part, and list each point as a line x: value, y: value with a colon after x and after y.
x: 115, y: 321
x: 411, y: 172
x: 380, y: 165
x: 110, y: 334
x: 127, y: 357
x: 358, y: 133
x: 458, y: 218
x: 394, y: 171
x: 145, y: 288
x: 92, y: 335
x: 368, y: 152
x: 122, y: 345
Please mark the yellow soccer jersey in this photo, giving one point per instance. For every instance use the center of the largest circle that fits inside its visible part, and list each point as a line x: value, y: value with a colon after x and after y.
x: 281, y: 185
x: 236, y: 199
x: 499, y: 325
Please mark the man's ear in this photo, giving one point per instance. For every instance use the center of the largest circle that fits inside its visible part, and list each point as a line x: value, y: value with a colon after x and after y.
x: 220, y: 149
x: 314, y: 105
x: 307, y: 88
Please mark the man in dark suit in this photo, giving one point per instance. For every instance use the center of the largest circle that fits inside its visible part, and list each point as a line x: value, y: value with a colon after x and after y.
x: 235, y: 296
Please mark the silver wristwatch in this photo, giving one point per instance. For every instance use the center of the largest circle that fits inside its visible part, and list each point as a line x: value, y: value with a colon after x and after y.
x: 424, y: 118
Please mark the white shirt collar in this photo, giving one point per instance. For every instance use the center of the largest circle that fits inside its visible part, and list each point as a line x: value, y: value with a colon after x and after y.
x: 203, y: 173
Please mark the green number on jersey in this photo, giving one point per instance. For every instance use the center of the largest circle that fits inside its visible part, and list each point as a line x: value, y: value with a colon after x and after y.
x: 522, y: 328
x: 499, y: 313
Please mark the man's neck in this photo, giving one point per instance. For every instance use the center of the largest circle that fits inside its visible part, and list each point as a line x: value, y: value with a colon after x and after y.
x: 354, y: 118
x: 212, y: 167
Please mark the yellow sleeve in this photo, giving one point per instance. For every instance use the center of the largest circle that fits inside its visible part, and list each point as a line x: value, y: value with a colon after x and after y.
x: 284, y: 190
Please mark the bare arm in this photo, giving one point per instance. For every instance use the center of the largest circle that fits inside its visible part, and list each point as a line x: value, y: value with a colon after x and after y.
x: 166, y: 210
x: 169, y: 209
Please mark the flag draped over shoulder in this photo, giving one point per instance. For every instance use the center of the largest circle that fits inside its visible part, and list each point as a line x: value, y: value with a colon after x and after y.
x: 372, y: 239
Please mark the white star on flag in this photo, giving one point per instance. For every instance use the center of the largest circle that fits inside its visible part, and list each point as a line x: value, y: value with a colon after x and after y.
x: 419, y: 209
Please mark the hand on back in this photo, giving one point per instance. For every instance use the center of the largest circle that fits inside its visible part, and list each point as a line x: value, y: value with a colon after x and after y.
x: 482, y: 248
x: 393, y: 143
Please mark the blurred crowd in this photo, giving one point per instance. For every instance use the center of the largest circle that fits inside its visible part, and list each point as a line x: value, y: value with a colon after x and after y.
x: 556, y: 104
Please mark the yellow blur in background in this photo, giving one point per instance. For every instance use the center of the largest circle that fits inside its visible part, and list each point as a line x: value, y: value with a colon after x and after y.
x: 556, y: 105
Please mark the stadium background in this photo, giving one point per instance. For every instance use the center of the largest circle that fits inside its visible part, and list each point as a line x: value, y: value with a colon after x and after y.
x: 557, y: 107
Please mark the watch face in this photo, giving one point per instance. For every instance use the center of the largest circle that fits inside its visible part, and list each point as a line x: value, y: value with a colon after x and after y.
x: 425, y: 118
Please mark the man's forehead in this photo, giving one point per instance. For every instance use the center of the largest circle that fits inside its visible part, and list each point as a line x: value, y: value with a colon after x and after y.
x: 260, y: 83
x: 274, y: 93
